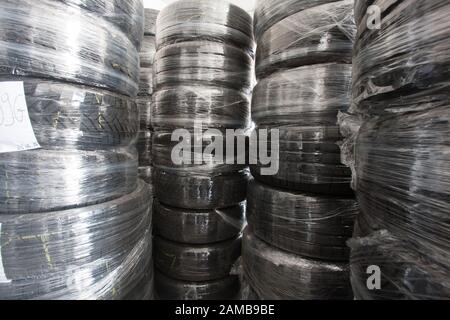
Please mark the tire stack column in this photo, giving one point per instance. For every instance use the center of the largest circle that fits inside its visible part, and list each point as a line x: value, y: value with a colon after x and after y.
x: 301, y: 217
x: 75, y: 220
x: 202, y: 73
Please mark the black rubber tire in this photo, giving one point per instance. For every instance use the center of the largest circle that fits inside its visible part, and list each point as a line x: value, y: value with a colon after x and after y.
x: 43, y: 48
x: 170, y: 289
x: 144, y: 146
x: 198, y: 226
x: 270, y: 12
x: 69, y: 254
x: 150, y: 16
x: 284, y: 46
x: 415, y: 70
x: 196, y: 262
x: 45, y: 180
x: 305, y: 96
x: 205, y: 20
x: 278, y: 275
x: 144, y: 105
x: 305, y: 224
x: 146, y: 83
x: 148, y: 51
x: 200, y: 191
x: 309, y: 161
x: 216, y: 107
x: 66, y: 116
x: 145, y: 288
x: 127, y: 15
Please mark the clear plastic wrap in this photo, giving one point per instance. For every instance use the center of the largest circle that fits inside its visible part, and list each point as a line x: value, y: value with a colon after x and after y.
x: 403, y: 179
x: 308, y: 160
x: 146, y: 83
x: 309, y: 96
x: 190, y: 262
x: 145, y: 288
x: 218, y: 21
x: 406, y: 272
x: 144, y: 105
x: 146, y: 174
x: 207, y: 190
x: 203, y: 62
x: 127, y: 15
x: 67, y: 45
x: 147, y: 52
x: 198, y: 226
x: 270, y: 12
x: 216, y: 107
x: 222, y: 289
x: 66, y: 116
x: 305, y: 224
x: 144, y: 146
x: 150, y: 16
x: 317, y: 35
x: 97, y: 252
x: 47, y: 180
x: 278, y: 275
x: 404, y: 66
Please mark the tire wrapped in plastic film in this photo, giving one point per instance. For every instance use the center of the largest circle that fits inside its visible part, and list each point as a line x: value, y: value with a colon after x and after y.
x: 95, y: 252
x: 146, y: 83
x: 210, y: 20
x: 203, y: 62
x: 67, y: 116
x: 31, y: 46
x: 307, y: 96
x: 320, y: 34
x: 309, y: 160
x: 147, y: 52
x: 144, y: 147
x: 150, y: 16
x: 278, y: 275
x: 145, y: 289
x: 213, y: 106
x: 305, y: 224
x: 198, y: 226
x: 127, y: 15
x: 48, y: 180
x: 404, y: 66
x: 170, y: 289
x: 403, y: 181
x: 146, y: 174
x: 144, y: 105
x: 270, y: 12
x: 200, y: 262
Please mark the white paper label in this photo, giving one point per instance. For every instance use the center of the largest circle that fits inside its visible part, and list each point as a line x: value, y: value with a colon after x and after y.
x: 3, y: 278
x: 16, y: 132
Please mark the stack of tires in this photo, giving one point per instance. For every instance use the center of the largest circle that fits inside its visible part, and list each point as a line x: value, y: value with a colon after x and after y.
x: 301, y: 217
x: 203, y: 78
x: 75, y: 221
x: 144, y: 99
x: 401, y: 91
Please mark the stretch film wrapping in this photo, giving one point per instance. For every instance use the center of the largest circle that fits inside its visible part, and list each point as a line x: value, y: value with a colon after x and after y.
x: 147, y: 52
x: 305, y: 224
x: 203, y: 62
x: 201, y: 262
x: 213, y: 106
x: 270, y: 12
x: 127, y: 15
x: 202, y: 190
x: 171, y: 289
x: 403, y: 183
x: 198, y: 226
x: 317, y: 35
x: 67, y: 45
x: 146, y: 174
x: 404, y: 65
x: 211, y: 20
x: 144, y: 105
x: 144, y: 146
x: 96, y: 252
x: 307, y: 96
x: 309, y: 159
x: 150, y: 16
x: 278, y: 275
x: 87, y: 136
